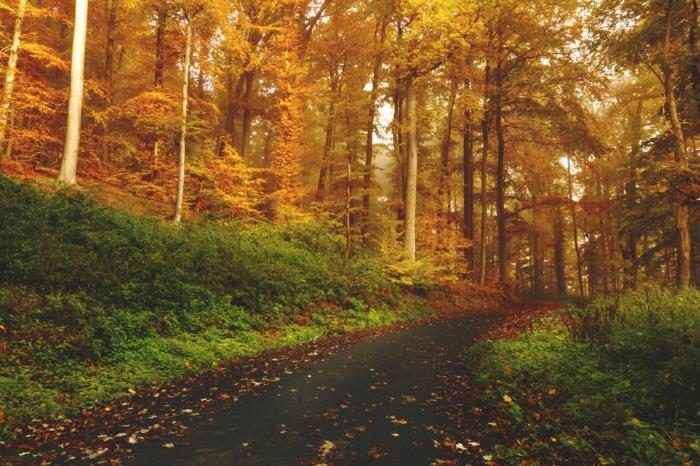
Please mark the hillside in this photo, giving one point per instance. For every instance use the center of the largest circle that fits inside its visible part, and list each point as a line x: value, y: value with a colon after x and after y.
x: 97, y: 302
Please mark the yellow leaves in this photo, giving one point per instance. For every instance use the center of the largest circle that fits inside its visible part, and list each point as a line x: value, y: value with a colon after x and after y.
x: 398, y: 421
x: 153, y: 103
x: 507, y: 398
x: 634, y: 422
x: 46, y: 56
x: 326, y: 448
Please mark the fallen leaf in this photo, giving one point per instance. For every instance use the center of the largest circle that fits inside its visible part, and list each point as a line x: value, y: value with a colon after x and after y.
x: 326, y: 447
x: 168, y: 445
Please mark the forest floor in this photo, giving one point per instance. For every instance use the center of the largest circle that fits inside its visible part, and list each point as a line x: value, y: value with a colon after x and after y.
x: 375, y: 396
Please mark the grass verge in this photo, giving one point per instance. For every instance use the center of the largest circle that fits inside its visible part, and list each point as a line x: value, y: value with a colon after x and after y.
x: 617, y: 381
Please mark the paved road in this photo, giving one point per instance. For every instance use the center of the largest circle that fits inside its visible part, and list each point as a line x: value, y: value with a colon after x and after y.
x: 373, y: 404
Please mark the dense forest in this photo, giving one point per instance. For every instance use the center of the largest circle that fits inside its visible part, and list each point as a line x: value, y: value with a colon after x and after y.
x: 468, y: 228
x: 549, y: 146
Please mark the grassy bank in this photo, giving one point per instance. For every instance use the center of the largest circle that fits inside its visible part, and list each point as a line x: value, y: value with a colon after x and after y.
x: 615, y: 382
x: 95, y: 303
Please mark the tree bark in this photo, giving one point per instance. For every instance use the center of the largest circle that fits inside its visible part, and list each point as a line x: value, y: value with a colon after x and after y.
x: 161, y: 24
x: 632, y: 275
x: 412, y: 169
x: 109, y: 46
x: 69, y: 163
x: 111, y: 13
x: 537, y: 250
x: 233, y: 95
x: 380, y: 36
x: 559, y: 251
x: 183, y: 123
x: 6, y: 105
x: 500, y: 184
x: 500, y: 163
x: 574, y: 226
x: 247, y: 113
x: 485, y: 126
x: 682, y: 209
x: 468, y: 166
x: 327, y: 146
x: 443, y: 188
x: 348, y: 195
x: 397, y: 140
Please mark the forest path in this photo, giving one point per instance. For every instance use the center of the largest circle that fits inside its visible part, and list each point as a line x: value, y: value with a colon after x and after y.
x: 374, y: 403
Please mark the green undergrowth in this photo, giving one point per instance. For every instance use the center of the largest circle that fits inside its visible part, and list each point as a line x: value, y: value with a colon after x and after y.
x: 96, y: 303
x: 615, y: 382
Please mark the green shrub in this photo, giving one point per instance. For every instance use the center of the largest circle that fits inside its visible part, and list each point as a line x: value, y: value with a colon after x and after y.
x: 95, y: 302
x: 617, y: 378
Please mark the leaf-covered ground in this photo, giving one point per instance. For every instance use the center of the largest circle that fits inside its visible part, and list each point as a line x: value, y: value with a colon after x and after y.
x: 369, y: 397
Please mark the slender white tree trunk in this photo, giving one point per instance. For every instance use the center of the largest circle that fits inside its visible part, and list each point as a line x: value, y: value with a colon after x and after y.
x: 69, y: 163
x: 409, y: 240
x: 5, y: 106
x: 183, y: 122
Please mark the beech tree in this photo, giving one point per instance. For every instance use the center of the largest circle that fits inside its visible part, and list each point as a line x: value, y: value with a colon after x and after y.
x: 574, y: 176
x: 651, y: 40
x: 10, y: 72
x: 69, y: 163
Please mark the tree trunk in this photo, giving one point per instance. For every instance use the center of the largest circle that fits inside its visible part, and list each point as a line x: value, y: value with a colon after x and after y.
x: 412, y: 169
x: 537, y: 250
x: 443, y: 188
x: 183, y: 123
x: 380, y: 36
x: 681, y: 158
x: 694, y: 62
x: 109, y: 46
x: 500, y: 184
x: 397, y: 140
x: 156, y: 150
x: 161, y: 24
x: 468, y: 166
x: 247, y: 116
x: 485, y: 125
x: 348, y: 195
x: 574, y: 225
x: 632, y: 275
x: 501, y: 167
x: 109, y: 71
x: 6, y: 105
x: 69, y: 163
x: 232, y: 95
x: 327, y: 147
x: 559, y: 251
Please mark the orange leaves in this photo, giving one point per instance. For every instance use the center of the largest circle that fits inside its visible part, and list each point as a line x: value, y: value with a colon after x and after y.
x: 229, y: 186
x: 46, y: 56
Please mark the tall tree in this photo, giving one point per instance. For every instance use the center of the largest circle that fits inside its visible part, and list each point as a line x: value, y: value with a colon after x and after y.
x: 379, y: 39
x: 69, y: 163
x: 10, y: 72
x: 189, y: 17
